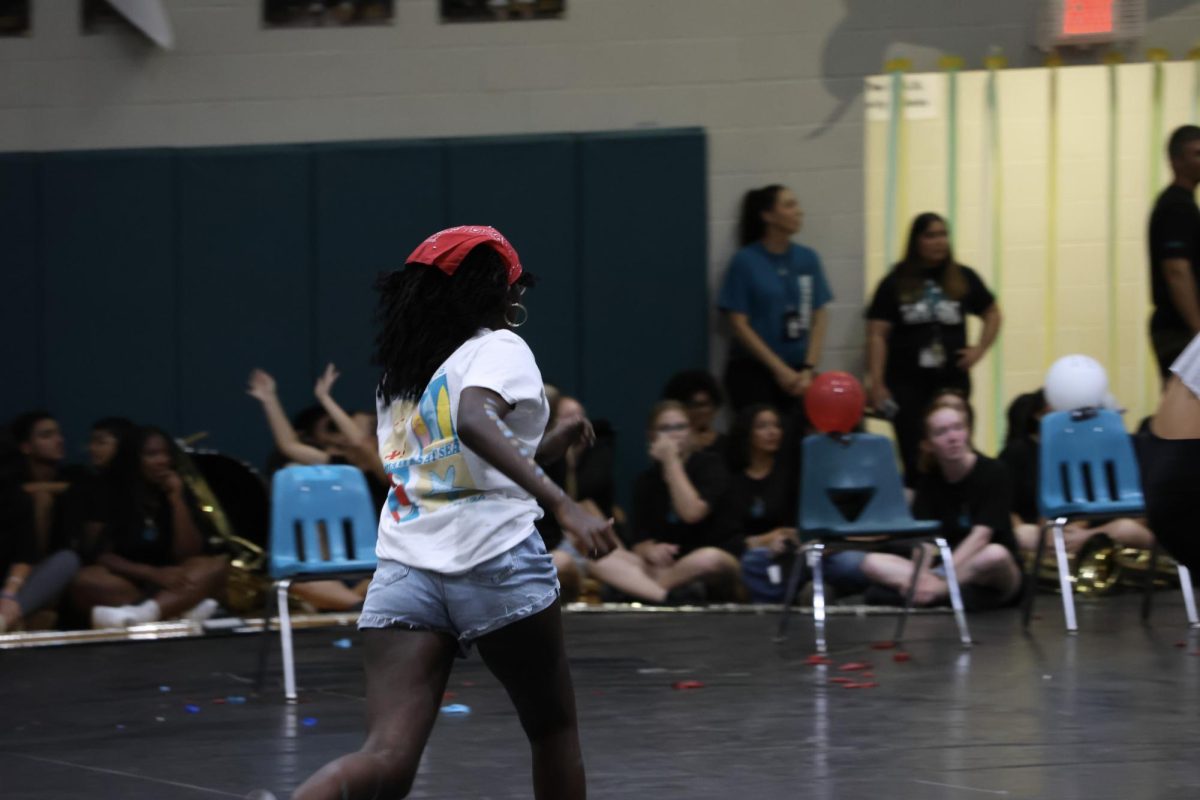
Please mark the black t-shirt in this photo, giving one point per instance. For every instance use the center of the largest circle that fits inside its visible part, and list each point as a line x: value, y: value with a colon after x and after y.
x: 144, y: 533
x: 1020, y: 458
x: 927, y: 324
x: 19, y: 542
x: 980, y: 498
x: 1174, y: 233
x: 753, y: 506
x: 654, y: 517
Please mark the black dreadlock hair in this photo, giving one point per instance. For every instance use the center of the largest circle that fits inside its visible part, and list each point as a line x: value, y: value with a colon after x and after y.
x: 425, y: 315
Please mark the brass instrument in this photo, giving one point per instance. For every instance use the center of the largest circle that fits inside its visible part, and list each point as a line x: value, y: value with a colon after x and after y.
x: 1103, y: 567
x: 247, y: 582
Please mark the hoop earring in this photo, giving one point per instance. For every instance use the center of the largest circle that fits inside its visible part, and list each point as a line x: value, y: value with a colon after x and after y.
x: 520, y: 314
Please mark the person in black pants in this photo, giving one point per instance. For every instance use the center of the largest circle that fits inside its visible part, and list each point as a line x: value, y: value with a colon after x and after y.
x: 1170, y: 456
x: 1175, y: 253
x: 917, y: 332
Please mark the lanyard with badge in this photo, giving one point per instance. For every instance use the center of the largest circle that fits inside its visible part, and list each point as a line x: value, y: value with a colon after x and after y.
x: 933, y: 355
x: 797, y: 319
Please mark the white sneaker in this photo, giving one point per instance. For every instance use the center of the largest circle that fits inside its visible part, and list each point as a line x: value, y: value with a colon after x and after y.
x: 114, y: 616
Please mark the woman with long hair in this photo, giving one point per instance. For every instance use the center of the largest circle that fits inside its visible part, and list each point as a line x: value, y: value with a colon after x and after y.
x: 917, y: 332
x: 774, y: 298
x: 462, y: 416
x: 152, y: 559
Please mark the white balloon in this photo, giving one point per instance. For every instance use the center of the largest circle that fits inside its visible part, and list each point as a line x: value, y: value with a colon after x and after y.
x: 1076, y: 381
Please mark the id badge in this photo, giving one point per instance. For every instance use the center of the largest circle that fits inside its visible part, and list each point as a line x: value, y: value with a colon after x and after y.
x: 933, y: 356
x: 793, y: 326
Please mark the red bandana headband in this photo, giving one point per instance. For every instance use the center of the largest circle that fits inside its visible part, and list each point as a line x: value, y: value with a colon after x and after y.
x: 447, y: 249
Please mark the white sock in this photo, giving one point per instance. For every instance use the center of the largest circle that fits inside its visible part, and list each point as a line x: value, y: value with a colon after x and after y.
x: 201, y: 611
x: 146, y: 611
x: 113, y: 616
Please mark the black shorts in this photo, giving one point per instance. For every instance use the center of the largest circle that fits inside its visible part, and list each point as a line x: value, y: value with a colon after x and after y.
x: 1171, y: 480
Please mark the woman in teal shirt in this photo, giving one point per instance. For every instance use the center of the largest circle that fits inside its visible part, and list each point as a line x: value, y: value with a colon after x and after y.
x: 774, y: 297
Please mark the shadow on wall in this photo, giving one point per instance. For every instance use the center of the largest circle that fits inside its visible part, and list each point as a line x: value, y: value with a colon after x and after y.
x: 871, y: 30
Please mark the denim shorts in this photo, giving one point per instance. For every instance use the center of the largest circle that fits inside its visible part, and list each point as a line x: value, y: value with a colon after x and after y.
x: 515, y: 584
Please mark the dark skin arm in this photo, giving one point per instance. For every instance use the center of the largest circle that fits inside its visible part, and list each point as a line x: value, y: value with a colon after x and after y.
x: 481, y: 427
x: 562, y: 436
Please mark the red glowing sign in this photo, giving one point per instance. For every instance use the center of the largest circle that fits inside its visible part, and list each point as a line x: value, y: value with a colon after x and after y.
x: 1085, y: 17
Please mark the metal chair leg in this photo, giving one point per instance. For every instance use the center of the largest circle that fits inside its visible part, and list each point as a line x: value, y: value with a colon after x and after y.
x: 818, y: 578
x: 285, y: 641
x: 789, y: 597
x: 960, y: 614
x: 264, y: 647
x: 1148, y: 583
x: 1189, y: 596
x: 1032, y: 578
x: 918, y: 562
x: 1064, y: 577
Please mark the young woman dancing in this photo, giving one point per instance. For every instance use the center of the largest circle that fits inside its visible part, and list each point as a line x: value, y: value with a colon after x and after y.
x: 462, y: 413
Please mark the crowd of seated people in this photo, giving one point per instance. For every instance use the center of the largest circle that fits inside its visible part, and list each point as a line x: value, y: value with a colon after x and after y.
x: 713, y: 517
x: 118, y: 543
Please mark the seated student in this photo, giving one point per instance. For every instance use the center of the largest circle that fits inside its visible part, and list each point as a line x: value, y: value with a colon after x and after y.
x: 35, y: 495
x: 324, y: 435
x: 327, y: 434
x: 758, y: 515
x: 153, y: 559
x: 700, y: 393
x: 672, y: 533
x: 585, y: 473
x: 968, y: 493
x: 1021, y: 455
x: 104, y: 440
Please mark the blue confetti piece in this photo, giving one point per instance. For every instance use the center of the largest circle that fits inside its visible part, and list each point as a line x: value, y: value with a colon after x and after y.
x: 309, y: 722
x: 164, y: 689
x: 236, y: 700
x: 191, y: 709
x: 456, y: 710
x: 343, y: 644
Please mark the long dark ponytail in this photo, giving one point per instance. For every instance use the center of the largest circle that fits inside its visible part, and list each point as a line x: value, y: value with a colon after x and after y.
x: 756, y: 202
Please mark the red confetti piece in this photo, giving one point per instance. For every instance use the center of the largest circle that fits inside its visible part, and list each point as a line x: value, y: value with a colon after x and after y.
x: 901, y: 657
x: 867, y: 685
x: 684, y: 685
x: 448, y: 696
x: 854, y: 666
x: 468, y: 683
x: 868, y: 675
x: 882, y: 645
x: 841, y: 679
x: 1181, y: 644
x: 816, y: 659
x: 219, y: 701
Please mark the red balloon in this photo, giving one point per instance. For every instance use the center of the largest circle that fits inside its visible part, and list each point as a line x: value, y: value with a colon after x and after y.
x: 835, y: 402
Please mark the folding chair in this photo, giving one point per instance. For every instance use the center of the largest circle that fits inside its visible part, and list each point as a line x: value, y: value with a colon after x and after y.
x: 1088, y: 471
x: 323, y: 526
x: 851, y: 488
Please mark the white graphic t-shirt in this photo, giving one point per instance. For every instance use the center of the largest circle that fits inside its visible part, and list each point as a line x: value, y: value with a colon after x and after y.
x: 448, y: 510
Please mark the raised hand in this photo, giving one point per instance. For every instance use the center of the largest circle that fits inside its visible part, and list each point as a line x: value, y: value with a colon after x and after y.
x: 261, y: 385
x: 325, y: 383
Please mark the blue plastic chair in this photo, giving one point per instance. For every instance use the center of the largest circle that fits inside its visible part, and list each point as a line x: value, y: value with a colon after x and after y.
x: 1088, y: 471
x: 323, y: 526
x: 859, y: 468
